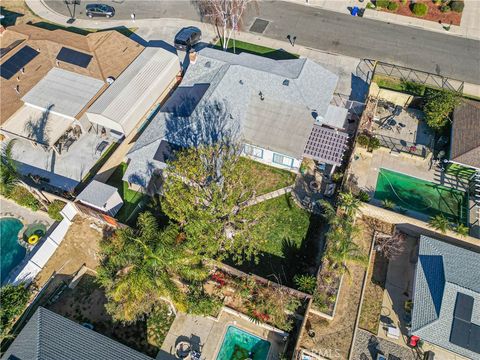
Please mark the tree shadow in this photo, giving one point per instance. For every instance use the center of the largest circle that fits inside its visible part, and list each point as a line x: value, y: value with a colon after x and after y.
x: 303, y: 258
x: 38, y: 128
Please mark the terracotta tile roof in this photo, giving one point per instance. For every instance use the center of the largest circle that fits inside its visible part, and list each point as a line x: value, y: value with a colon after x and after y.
x: 465, y: 148
x: 112, y: 52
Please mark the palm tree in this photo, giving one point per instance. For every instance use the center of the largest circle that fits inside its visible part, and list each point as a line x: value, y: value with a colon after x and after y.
x: 462, y: 230
x: 341, y: 253
x: 138, y: 268
x: 440, y: 223
x: 349, y: 203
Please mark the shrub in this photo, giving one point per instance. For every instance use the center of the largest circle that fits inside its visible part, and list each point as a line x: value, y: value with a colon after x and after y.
x: 23, y: 197
x: 158, y: 323
x: 388, y: 204
x: 363, y: 140
x: 14, y: 300
x: 392, y: 6
x: 363, y: 196
x: 437, y: 2
x: 54, y: 210
x: 457, y: 6
x: 370, y: 6
x: 306, y: 283
x: 445, y: 8
x: 200, y: 303
x: 404, y: 2
x: 420, y: 9
x: 438, y: 106
x: 382, y: 3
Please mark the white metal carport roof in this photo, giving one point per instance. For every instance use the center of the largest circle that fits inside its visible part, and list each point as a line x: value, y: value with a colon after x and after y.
x: 135, y: 91
x: 63, y: 92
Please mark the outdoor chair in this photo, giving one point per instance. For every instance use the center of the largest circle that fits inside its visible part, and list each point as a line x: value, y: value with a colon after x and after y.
x: 68, y: 143
x: 100, y: 147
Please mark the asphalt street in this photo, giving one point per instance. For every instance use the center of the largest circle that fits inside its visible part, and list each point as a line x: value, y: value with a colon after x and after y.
x: 333, y: 32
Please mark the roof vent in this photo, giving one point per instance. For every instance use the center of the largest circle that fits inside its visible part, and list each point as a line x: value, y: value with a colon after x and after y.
x: 261, y: 96
x: 286, y: 82
x: 110, y: 80
x: 241, y: 82
x: 208, y: 64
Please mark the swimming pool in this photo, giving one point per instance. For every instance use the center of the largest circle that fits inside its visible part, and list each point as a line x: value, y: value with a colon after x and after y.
x: 12, y: 252
x: 422, y: 196
x: 240, y: 345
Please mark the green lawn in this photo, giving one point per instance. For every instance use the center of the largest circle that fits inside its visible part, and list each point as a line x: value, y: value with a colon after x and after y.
x: 284, y: 252
x: 133, y: 200
x: 269, y: 178
x: 241, y: 46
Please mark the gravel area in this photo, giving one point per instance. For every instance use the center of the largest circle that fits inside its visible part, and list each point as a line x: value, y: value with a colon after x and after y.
x: 366, y: 348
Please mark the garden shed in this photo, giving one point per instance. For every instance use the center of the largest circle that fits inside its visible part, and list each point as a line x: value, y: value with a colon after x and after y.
x: 102, y: 197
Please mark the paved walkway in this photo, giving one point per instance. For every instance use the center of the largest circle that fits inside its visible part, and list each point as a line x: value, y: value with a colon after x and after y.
x: 268, y: 196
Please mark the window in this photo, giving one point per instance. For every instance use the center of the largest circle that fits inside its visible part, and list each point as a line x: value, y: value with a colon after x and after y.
x: 253, y: 151
x: 282, y: 160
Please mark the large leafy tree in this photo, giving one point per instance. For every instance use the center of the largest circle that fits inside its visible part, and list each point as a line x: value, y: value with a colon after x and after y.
x: 438, y: 106
x: 139, y: 267
x: 206, y: 191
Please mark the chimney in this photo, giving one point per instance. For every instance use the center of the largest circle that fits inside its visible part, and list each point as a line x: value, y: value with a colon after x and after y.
x: 192, y: 56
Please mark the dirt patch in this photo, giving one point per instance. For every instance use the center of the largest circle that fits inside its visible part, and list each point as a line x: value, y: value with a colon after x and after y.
x: 86, y: 304
x: 372, y: 301
x: 434, y: 12
x: 80, y: 247
x: 333, y: 338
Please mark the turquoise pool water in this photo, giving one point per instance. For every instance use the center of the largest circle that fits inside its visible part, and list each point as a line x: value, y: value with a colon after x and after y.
x: 240, y: 345
x: 12, y: 253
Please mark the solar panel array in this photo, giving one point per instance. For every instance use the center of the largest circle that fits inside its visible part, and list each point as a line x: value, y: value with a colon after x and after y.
x: 74, y: 57
x: 21, y: 58
x: 327, y: 145
x: 464, y: 333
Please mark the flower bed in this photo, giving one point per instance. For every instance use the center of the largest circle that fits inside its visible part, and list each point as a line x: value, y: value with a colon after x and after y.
x: 274, y: 305
x: 434, y: 13
x: 327, y: 292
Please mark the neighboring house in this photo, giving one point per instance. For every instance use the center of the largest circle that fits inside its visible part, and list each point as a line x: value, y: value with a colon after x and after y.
x: 48, y: 80
x: 135, y: 91
x: 446, y: 299
x: 50, y: 336
x: 465, y: 138
x: 280, y: 110
x: 102, y: 197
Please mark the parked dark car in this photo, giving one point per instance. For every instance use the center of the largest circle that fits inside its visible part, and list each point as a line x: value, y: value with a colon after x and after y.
x: 187, y: 37
x: 99, y: 10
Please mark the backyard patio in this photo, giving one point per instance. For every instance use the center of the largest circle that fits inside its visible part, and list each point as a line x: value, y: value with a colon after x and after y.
x: 206, y: 335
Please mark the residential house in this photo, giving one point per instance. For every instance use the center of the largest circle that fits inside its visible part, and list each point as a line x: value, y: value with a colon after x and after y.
x: 465, y: 154
x: 279, y: 109
x: 50, y: 336
x: 446, y: 298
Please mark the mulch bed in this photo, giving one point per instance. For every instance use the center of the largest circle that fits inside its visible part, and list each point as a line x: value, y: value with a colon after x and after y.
x: 434, y: 13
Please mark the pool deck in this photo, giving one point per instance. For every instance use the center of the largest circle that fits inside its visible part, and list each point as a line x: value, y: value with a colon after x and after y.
x: 206, y: 334
x: 8, y: 208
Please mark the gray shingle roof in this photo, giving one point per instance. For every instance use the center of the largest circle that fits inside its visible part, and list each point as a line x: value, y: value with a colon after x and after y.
x: 465, y: 147
x: 66, y: 92
x: 48, y: 336
x: 443, y: 270
x: 292, y: 91
x: 97, y: 193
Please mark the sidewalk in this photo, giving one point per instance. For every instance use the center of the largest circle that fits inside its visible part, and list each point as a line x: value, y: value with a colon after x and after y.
x: 469, y: 27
